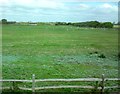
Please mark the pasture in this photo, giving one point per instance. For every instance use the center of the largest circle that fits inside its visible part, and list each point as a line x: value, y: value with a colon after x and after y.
x: 50, y: 51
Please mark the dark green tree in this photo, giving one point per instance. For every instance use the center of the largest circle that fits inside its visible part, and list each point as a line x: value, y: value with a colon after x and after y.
x: 107, y: 25
x: 4, y: 21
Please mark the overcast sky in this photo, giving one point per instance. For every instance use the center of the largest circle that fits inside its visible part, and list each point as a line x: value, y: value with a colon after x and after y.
x: 58, y: 10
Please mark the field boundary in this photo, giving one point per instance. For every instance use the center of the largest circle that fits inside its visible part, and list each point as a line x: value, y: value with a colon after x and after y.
x: 100, y: 83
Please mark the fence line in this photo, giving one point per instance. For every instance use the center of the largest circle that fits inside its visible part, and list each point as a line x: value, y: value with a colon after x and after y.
x: 61, y: 80
x: 101, y: 81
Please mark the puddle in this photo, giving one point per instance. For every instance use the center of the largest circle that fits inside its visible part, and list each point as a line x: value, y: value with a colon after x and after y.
x: 80, y: 59
x: 93, y: 59
x: 23, y: 58
x: 77, y: 59
x: 10, y: 58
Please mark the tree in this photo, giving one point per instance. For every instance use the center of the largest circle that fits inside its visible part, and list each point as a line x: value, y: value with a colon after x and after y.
x: 107, y: 25
x: 4, y: 21
x: 94, y: 24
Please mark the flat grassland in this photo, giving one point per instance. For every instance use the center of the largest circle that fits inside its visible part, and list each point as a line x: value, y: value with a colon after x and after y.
x: 50, y: 51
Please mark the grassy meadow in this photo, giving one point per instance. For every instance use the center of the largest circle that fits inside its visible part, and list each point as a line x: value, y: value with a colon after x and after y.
x: 50, y: 51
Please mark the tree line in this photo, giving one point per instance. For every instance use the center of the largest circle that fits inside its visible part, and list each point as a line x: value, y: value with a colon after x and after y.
x: 4, y: 21
x: 94, y: 24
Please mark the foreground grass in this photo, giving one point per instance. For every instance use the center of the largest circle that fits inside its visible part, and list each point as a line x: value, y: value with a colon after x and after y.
x: 58, y: 52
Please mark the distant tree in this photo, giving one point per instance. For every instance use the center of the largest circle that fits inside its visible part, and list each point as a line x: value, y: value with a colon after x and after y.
x: 69, y: 23
x: 94, y: 24
x: 11, y: 22
x: 4, y: 21
x: 107, y: 25
x: 60, y: 23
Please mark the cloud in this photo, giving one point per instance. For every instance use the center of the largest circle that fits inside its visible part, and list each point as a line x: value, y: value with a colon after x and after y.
x: 89, y: 0
x: 84, y: 6
x: 106, y: 5
x: 109, y: 7
x: 4, y: 2
x: 58, y: 10
x: 104, y: 12
x: 34, y: 3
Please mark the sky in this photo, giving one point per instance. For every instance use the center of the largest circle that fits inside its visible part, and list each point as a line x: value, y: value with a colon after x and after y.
x: 59, y: 10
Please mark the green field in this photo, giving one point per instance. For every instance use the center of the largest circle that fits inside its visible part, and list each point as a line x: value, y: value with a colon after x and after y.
x: 50, y: 51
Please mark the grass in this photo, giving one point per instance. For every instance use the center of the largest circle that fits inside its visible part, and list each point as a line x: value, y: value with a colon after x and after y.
x: 58, y: 52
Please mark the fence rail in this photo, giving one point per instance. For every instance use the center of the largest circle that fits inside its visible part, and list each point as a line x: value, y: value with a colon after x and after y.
x: 100, y: 86
x: 14, y: 80
x: 61, y: 80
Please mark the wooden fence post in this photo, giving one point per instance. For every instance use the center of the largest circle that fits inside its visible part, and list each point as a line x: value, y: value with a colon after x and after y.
x: 33, y: 83
x: 13, y: 85
x: 97, y: 85
x: 102, y: 84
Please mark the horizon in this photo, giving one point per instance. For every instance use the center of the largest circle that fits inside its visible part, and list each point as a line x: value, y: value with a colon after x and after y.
x: 58, y: 11
x: 54, y: 21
